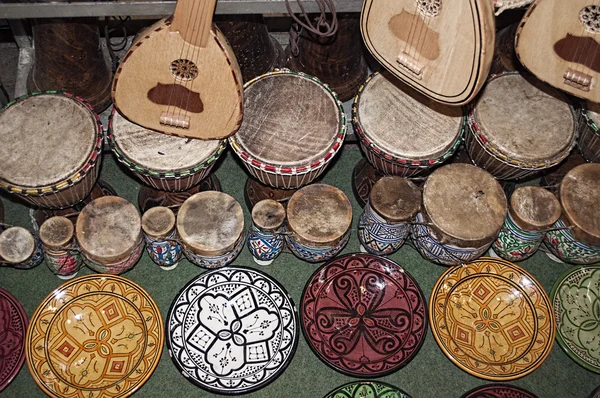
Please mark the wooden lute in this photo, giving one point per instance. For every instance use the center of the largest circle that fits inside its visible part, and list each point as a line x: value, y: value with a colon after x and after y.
x: 442, y: 48
x: 559, y: 42
x: 181, y: 76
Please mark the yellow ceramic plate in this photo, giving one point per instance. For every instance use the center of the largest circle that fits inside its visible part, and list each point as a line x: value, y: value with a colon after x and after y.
x: 492, y: 319
x: 95, y: 336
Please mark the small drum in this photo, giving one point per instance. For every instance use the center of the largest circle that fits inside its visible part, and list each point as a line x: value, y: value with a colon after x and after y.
x: 384, y: 224
x: 109, y: 233
x: 60, y: 249
x: 518, y: 126
x: 211, y: 229
x: 401, y: 132
x: 319, y: 221
x: 51, y: 149
x: 532, y: 211
x: 19, y: 249
x: 265, y: 239
x: 293, y: 126
x: 576, y: 237
x: 589, y: 132
x: 463, y: 210
x: 162, y: 161
x: 158, y: 224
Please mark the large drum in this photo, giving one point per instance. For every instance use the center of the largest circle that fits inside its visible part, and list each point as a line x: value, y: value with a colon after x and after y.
x: 51, y: 149
x: 293, y: 126
x: 210, y: 226
x: 401, y: 132
x: 589, y: 132
x: 164, y: 162
x: 463, y: 210
x: 576, y: 235
x: 109, y: 233
x: 319, y: 221
x: 518, y: 126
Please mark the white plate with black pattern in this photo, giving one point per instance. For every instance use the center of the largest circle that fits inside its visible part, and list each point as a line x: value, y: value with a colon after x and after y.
x: 232, y: 330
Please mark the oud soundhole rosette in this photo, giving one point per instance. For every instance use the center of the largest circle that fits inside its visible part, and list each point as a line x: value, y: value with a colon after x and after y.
x: 590, y: 18
x: 429, y: 8
x: 184, y: 69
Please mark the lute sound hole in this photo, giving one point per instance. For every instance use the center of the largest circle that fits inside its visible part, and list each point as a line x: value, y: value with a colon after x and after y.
x: 429, y: 8
x: 590, y: 18
x: 184, y: 69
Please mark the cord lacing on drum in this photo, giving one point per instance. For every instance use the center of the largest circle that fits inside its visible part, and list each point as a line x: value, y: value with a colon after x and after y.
x: 329, y: 28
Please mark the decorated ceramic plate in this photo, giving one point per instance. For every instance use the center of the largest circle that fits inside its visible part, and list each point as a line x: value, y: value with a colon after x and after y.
x: 232, y: 330
x: 363, y: 315
x: 94, y: 336
x: 13, y: 324
x: 367, y: 389
x: 492, y: 319
x: 576, y: 301
x: 498, y: 391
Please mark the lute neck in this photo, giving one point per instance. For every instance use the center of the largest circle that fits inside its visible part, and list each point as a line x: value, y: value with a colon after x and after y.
x: 193, y: 20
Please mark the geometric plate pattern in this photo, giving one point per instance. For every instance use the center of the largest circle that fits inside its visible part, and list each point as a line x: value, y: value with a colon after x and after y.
x: 95, y: 336
x: 576, y: 301
x: 13, y: 324
x: 363, y: 315
x: 498, y: 391
x: 232, y: 330
x: 492, y: 319
x: 367, y: 389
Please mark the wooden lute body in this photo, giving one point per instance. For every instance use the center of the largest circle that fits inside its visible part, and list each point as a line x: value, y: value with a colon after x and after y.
x: 181, y: 76
x: 559, y: 42
x: 442, y: 48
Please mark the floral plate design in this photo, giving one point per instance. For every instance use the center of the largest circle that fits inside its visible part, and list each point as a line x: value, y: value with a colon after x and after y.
x: 94, y: 336
x: 363, y: 315
x: 13, y: 324
x: 367, y: 389
x: 492, y: 319
x: 498, y: 391
x: 576, y: 300
x: 232, y: 330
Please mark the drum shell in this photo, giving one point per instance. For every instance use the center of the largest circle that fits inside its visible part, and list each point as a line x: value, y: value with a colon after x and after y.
x: 589, y: 138
x: 314, y: 253
x: 164, y: 251
x: 124, y: 264
x: 380, y: 236
x: 516, y: 244
x: 214, y: 260
x: 563, y: 244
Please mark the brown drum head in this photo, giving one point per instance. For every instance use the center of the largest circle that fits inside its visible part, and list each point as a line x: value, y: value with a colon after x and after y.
x: 319, y: 214
x: 395, y: 199
x: 465, y: 203
x: 268, y: 214
x: 534, y: 208
x: 210, y: 223
x: 57, y: 232
x: 580, y: 199
x: 255, y: 191
x: 16, y: 245
x: 158, y: 221
x: 109, y: 229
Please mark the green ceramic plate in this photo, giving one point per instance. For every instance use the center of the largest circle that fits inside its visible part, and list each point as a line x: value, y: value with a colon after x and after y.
x: 367, y: 389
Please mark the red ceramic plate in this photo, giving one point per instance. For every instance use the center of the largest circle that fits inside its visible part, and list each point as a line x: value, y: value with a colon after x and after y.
x: 13, y: 324
x: 363, y: 315
x: 498, y: 391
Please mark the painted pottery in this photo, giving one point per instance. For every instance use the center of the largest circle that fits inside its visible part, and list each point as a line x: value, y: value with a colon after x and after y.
x: 96, y: 335
x: 492, y: 319
x: 61, y: 138
x: 60, y: 248
x: 255, y: 191
x: 232, y: 330
x: 109, y: 234
x: 210, y: 226
x: 158, y: 225
x: 589, y: 132
x: 390, y: 120
x: 20, y: 249
x: 575, y: 298
x: 13, y: 325
x: 498, y: 391
x: 319, y: 221
x: 532, y: 211
x: 384, y: 223
x: 363, y: 315
x: 371, y: 389
x: 463, y: 210
x: 265, y: 239
x: 285, y: 147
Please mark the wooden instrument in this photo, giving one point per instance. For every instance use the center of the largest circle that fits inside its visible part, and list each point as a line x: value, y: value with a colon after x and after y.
x: 441, y: 48
x: 559, y: 42
x: 181, y: 77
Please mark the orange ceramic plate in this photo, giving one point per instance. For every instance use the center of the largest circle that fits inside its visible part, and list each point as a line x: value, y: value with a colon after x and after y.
x: 94, y: 336
x: 492, y: 319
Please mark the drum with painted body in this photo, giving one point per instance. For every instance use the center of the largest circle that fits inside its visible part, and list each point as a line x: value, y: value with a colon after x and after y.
x: 265, y: 239
x: 60, y: 249
x: 158, y: 225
